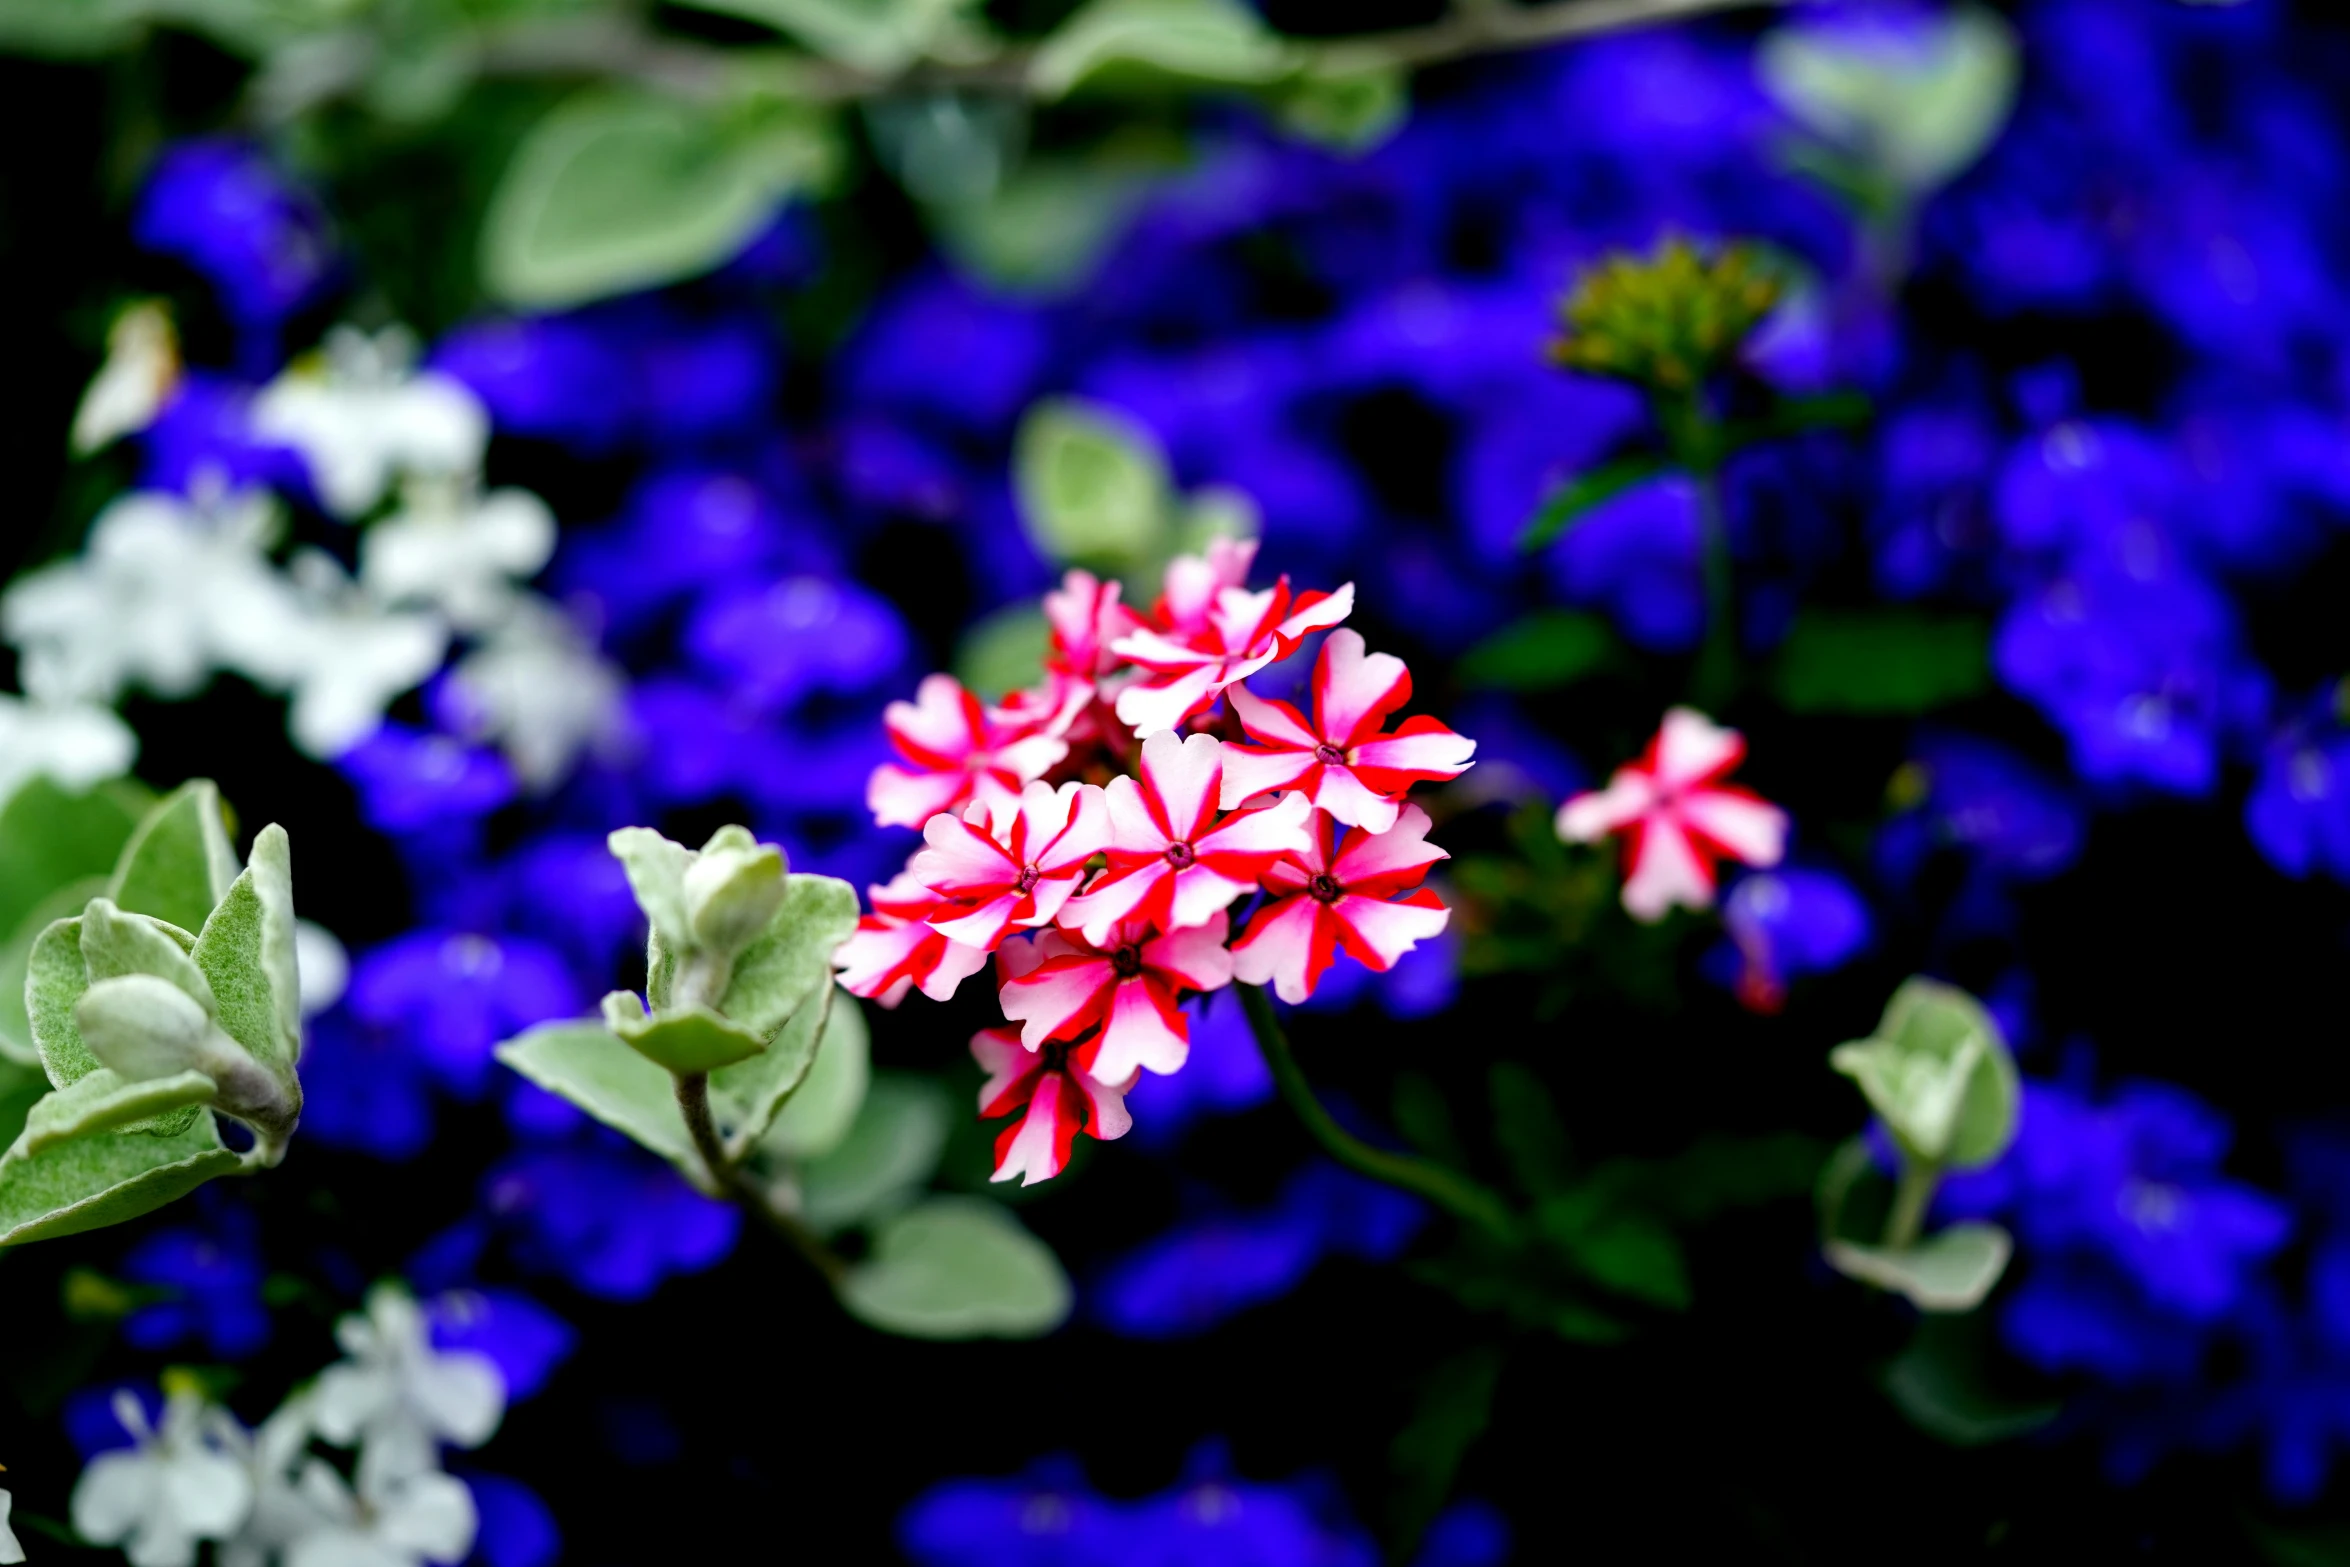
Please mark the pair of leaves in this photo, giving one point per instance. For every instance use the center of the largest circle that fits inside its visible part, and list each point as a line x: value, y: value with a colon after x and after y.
x: 1938, y: 1072
x: 1950, y: 1271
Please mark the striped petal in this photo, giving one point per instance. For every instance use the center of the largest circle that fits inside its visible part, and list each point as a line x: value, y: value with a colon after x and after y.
x: 1274, y: 723
x: 940, y: 727
x: 1152, y: 706
x: 1377, y: 932
x: 962, y: 860
x: 1286, y: 946
x: 1182, y: 775
x: 1059, y: 998
x: 1591, y: 816
x: 1249, y: 772
x: 1421, y: 750
x: 1144, y: 1029
x: 1692, y: 749
x: 898, y: 798
x: 1114, y: 899
x: 1742, y: 825
x: 1342, y: 794
x: 1194, y: 959
x: 1666, y: 869
x: 1036, y: 1147
x: 1011, y: 1070
x: 1354, y: 691
x: 1377, y: 863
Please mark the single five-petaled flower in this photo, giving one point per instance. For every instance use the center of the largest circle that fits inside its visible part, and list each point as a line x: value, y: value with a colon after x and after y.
x: 1061, y: 1094
x: 1128, y: 986
x: 959, y: 755
x: 1017, y: 868
x: 1340, y: 760
x: 1678, y: 818
x: 1365, y: 899
x: 893, y: 949
x: 1173, y: 860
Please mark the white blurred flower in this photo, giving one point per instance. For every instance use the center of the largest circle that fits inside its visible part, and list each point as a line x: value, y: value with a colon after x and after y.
x: 353, y: 658
x: 397, y: 1398
x: 142, y: 366
x: 10, y: 1552
x: 281, y: 1512
x: 322, y: 966
x: 365, y: 414
x: 457, y: 551
x: 74, y: 744
x: 180, y: 1485
x: 399, y: 1521
x: 166, y: 589
x: 538, y: 688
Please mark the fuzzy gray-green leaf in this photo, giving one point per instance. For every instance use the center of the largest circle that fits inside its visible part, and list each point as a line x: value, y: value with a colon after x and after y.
x: 55, y: 978
x: 958, y: 1267
x: 86, y: 1183
x: 179, y: 864
x: 16, y: 955
x: 1950, y: 1270
x: 115, y: 944
x: 687, y: 1040
x: 656, y: 874
x: 745, y: 1096
x: 595, y: 1069
x: 246, y: 950
x: 889, y: 1156
x: 50, y: 838
x: 107, y: 1102
x: 824, y: 1107
x: 792, y: 960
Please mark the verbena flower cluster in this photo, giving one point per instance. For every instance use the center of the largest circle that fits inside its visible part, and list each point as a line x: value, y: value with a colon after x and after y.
x: 1093, y: 832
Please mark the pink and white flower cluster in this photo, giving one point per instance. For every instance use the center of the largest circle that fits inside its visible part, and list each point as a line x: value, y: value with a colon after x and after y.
x: 1095, y: 833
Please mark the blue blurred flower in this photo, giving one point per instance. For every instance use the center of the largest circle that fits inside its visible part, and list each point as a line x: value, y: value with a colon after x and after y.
x: 213, y: 1274
x: 607, y: 1216
x: 451, y: 996
x: 1201, y: 1272
x: 364, y: 1089
x: 1224, y: 1074
x: 1637, y: 557
x: 938, y: 347
x: 776, y: 643
x: 524, y: 1338
x: 2298, y: 812
x: 516, y: 1529
x: 1784, y: 924
x: 89, y: 1416
x: 204, y: 436
x: 412, y: 779
x: 1958, y: 792
x: 221, y: 206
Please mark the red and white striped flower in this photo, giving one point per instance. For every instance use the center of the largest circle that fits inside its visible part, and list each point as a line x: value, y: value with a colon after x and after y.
x: 1341, y: 761
x: 1058, y: 984
x: 1084, y: 617
x: 1188, y: 587
x: 1678, y: 818
x: 1014, y: 867
x: 1173, y: 861
x: 1363, y: 901
x: 959, y: 755
x: 1182, y: 670
x: 894, y: 949
x: 1057, y: 1087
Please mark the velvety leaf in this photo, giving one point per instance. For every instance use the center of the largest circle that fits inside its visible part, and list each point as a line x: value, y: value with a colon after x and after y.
x: 1881, y: 662
x: 143, y: 1027
x: 656, y: 868
x: 50, y: 838
x: 1923, y: 114
x: 776, y: 975
x: 594, y: 1069
x: 1938, y: 1070
x: 819, y: 1113
x: 246, y: 950
x: 1045, y: 228
x: 1526, y: 1126
x: 179, y: 862
x: 1004, y: 652
x: 16, y: 955
x: 688, y: 1040
x: 55, y: 978
x: 86, y: 1183
x: 1576, y: 499
x: 1950, y: 1270
x: 745, y: 1097
x: 890, y: 1154
x: 115, y: 944
x: 1548, y: 648
x: 619, y: 191
x: 1625, y: 1250
x: 105, y: 1101
x: 1454, y: 1406
x: 1350, y: 110
x: 1130, y: 44
x: 1093, y: 485
x: 958, y: 1267
x: 879, y: 36
x: 1944, y: 1382
x: 732, y: 892
x: 21, y: 1087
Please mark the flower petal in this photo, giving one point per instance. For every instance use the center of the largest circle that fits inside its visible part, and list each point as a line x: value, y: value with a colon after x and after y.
x: 1144, y: 1029
x: 1741, y: 824
x: 1378, y: 863
x: 1194, y: 959
x: 1691, y: 748
x: 1591, y: 816
x: 1011, y: 1070
x: 1666, y: 869
x: 1276, y: 724
x: 898, y: 798
x: 1059, y: 998
x: 1354, y: 691
x: 1286, y: 947
x: 1378, y: 932
x: 1183, y: 774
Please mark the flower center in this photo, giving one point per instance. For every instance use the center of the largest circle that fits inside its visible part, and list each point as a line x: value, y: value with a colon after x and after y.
x: 1328, y: 755
x: 1127, y: 961
x: 1055, y: 1054
x: 1325, y: 888
x: 1179, y: 855
x: 1028, y: 880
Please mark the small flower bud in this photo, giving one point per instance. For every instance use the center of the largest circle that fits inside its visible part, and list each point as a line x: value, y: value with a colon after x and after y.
x: 731, y: 892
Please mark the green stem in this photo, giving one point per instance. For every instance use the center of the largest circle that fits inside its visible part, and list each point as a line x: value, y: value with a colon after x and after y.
x: 1911, y: 1196
x: 1716, y: 678
x: 1450, y: 1190
x: 693, y: 1100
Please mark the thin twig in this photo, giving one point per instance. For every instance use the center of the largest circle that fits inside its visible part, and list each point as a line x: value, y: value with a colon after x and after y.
x: 693, y: 1099
x: 1450, y: 1190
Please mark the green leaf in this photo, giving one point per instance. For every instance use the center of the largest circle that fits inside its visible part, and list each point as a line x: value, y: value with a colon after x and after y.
x: 1716, y: 1174
x: 1349, y: 111
x: 825, y: 1106
x: 1139, y: 45
x: 618, y: 191
x: 114, y: 944
x: 16, y: 1025
x: 246, y: 950
x: 1939, y: 1072
x: 1004, y: 652
x: 685, y: 1040
x: 143, y: 1027
x: 179, y: 863
x: 1455, y: 1404
x: 745, y: 1097
x: 1876, y: 661
x: 890, y: 1153
x: 1425, y: 1120
x: 593, y: 1068
x: 656, y: 868
x: 1922, y: 114
x: 1584, y: 494
x: 958, y: 1267
x: 775, y: 976
x: 50, y: 839
x: 1092, y: 484
x: 1950, y: 1270
x: 732, y: 890
x: 1626, y: 1252
x: 881, y: 37
x: 21, y: 1087
x: 1526, y: 1125
x: 87, y: 1183
x: 1943, y: 1383
x: 78, y: 30
x: 1045, y: 227
x: 104, y: 1101
x: 55, y: 978
x: 1548, y: 648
